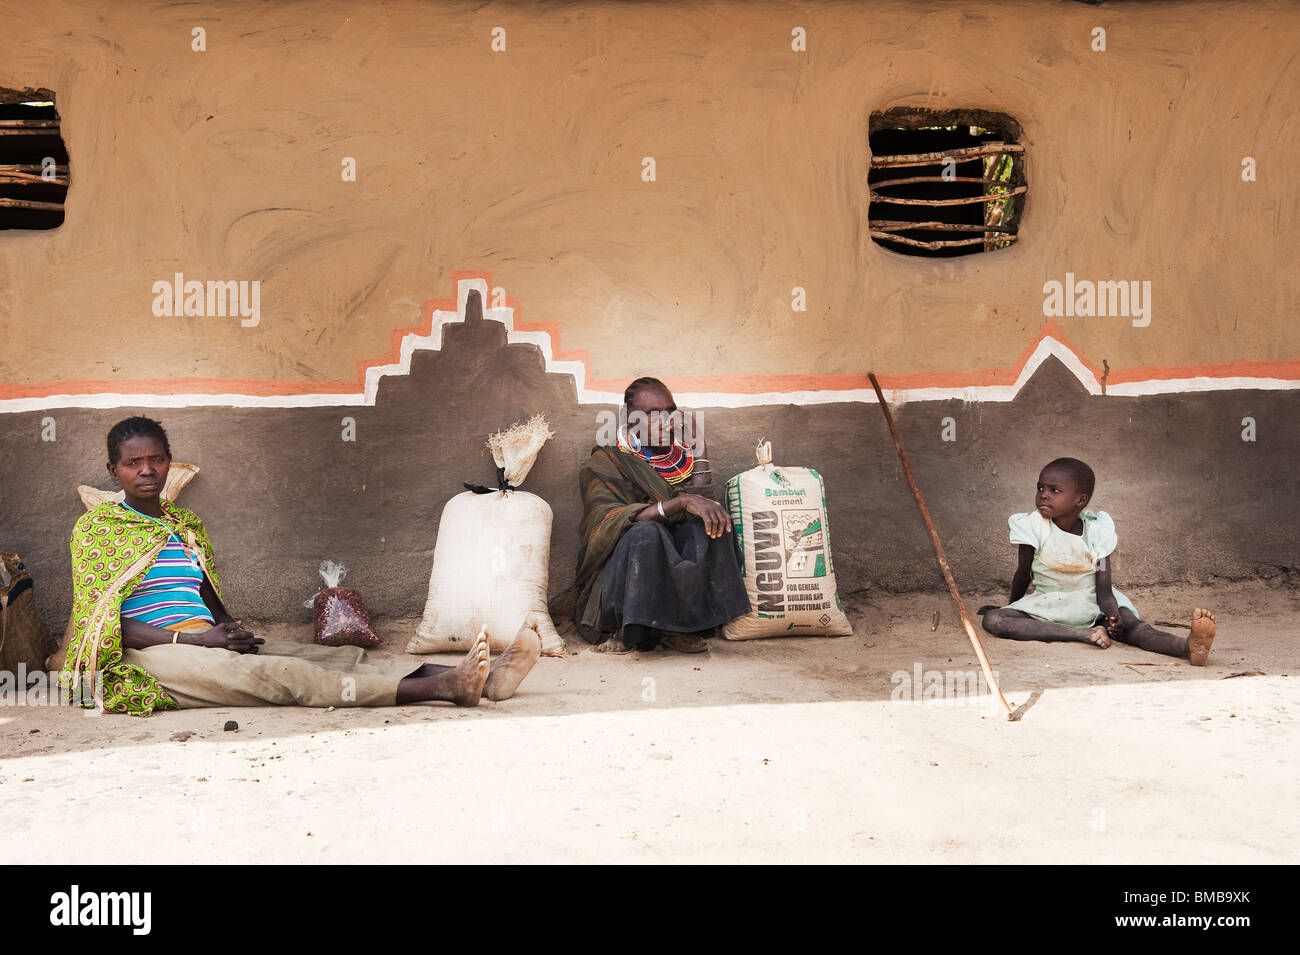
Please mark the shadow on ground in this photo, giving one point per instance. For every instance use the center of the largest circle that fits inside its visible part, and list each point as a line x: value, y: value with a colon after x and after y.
x: 890, y: 658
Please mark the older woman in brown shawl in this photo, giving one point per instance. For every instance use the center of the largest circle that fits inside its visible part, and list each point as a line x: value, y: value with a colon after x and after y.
x: 658, y: 563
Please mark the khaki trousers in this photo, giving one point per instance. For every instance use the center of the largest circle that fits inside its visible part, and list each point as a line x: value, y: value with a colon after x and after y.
x: 281, y: 673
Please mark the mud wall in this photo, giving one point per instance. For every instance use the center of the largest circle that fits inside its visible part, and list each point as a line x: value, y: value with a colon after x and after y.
x: 524, y: 167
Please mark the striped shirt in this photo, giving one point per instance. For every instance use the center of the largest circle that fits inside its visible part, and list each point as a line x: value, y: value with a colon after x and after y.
x: 169, y: 593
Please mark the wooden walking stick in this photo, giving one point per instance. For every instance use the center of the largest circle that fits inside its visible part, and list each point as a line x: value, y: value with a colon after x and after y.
x: 938, y: 551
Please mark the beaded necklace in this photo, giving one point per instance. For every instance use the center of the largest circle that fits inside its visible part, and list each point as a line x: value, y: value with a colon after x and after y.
x: 675, y: 465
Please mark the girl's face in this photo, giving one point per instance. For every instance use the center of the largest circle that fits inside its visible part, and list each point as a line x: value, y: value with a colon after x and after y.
x: 141, y: 467
x: 1057, y: 495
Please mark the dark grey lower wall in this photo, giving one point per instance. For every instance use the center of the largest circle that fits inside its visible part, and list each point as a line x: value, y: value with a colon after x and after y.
x: 279, y: 489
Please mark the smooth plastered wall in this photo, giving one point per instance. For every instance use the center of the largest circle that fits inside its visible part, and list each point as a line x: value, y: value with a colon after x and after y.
x: 526, y: 163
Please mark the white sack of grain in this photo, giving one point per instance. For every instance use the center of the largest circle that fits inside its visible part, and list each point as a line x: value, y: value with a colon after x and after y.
x: 492, y: 559
x: 780, y: 520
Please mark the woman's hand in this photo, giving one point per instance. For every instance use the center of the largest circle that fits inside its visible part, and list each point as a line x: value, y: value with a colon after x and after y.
x: 714, y: 515
x: 230, y: 636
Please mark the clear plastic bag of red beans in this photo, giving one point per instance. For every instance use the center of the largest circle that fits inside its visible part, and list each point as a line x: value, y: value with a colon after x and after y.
x: 341, y: 617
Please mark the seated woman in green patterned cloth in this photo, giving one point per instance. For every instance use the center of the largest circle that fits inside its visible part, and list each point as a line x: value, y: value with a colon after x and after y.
x: 149, y: 620
x: 658, y: 563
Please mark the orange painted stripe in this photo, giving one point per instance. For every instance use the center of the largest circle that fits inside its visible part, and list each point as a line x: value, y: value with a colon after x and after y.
x: 553, y: 330
x: 425, y: 327
x: 177, y: 386
x: 726, y: 384
x: 246, y: 386
x: 1286, y: 370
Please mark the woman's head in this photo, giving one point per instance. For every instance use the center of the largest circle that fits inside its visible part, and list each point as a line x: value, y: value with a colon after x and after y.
x: 139, y: 457
x: 1064, y: 488
x: 650, y: 409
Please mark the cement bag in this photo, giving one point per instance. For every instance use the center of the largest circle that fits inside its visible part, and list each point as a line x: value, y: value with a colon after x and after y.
x: 491, y: 563
x: 779, y: 516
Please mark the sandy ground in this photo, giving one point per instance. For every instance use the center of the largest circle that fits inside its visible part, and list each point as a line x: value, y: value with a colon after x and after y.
x: 795, y: 750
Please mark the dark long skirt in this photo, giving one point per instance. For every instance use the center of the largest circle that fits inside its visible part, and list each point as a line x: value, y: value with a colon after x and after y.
x: 670, y: 578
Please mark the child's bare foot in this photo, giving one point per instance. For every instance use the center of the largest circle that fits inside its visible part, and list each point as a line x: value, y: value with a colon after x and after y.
x: 1099, y: 637
x: 509, y: 669
x: 1202, y: 638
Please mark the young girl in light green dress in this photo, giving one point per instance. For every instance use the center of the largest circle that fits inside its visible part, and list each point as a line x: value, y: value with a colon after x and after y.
x: 1065, y: 553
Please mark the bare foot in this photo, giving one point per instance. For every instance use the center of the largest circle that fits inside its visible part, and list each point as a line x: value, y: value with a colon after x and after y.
x: 509, y: 669
x: 464, y: 684
x: 614, y: 644
x: 1099, y: 637
x: 1202, y: 638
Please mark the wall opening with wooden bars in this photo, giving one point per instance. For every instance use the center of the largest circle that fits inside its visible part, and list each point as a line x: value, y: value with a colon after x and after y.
x: 945, y: 182
x: 33, y: 161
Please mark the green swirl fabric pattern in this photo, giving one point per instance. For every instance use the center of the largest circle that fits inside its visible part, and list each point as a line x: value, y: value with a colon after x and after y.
x: 112, y: 550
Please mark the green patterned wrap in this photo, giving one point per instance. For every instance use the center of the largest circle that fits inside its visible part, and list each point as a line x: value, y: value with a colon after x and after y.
x: 112, y: 550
